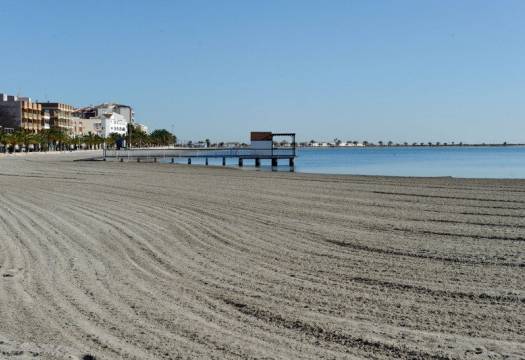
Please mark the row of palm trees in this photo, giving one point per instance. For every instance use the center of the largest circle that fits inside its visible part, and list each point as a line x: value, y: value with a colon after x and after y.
x: 47, y: 140
x: 57, y: 140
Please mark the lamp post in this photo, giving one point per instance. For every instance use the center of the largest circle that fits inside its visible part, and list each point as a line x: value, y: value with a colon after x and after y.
x: 130, y: 128
x: 173, y: 135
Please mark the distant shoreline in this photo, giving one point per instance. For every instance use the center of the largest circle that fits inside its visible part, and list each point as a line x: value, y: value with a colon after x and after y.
x: 409, y: 146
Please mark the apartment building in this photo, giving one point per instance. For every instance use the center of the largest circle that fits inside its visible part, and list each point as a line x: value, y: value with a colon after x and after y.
x: 60, y: 116
x: 18, y: 112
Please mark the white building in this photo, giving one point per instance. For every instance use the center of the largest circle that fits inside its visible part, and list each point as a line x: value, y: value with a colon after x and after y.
x: 105, y: 124
x: 112, y: 123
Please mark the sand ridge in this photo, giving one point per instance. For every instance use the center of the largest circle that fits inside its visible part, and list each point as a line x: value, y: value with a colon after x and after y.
x: 161, y: 261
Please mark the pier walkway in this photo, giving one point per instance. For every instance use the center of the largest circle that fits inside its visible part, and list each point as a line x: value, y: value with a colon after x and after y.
x: 275, y: 154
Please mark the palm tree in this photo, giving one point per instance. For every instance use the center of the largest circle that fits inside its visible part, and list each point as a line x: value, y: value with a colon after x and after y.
x: 60, y: 139
x: 162, y: 137
x: 19, y: 138
x: 32, y: 141
x: 112, y: 139
x: 90, y: 140
x: 5, y: 141
x: 55, y: 138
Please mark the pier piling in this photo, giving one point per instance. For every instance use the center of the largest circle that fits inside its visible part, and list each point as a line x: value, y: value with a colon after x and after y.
x: 291, y: 163
x: 257, y: 162
x: 274, y: 162
x: 223, y: 161
x: 240, y: 162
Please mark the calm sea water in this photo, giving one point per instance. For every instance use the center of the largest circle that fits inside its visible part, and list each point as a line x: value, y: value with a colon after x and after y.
x: 470, y: 162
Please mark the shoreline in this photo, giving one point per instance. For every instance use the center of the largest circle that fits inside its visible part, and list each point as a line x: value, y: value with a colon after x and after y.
x: 87, y: 155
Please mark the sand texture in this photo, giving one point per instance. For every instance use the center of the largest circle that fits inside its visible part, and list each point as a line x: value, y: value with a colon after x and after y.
x: 160, y: 261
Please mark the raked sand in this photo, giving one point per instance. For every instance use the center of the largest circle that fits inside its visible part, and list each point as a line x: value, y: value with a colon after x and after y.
x: 161, y: 261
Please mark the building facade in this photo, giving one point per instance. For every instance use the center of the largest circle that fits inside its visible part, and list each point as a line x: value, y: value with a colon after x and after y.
x: 77, y: 125
x: 113, y: 123
x: 60, y: 116
x: 20, y: 113
x: 91, y: 126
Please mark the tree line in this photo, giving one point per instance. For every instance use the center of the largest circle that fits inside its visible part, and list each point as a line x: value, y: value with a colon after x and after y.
x: 58, y: 140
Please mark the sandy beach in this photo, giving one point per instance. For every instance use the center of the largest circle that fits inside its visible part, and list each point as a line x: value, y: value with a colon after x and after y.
x: 161, y: 261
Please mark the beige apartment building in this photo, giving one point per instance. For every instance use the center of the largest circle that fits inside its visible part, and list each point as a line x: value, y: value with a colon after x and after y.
x: 32, y: 116
x: 60, y: 116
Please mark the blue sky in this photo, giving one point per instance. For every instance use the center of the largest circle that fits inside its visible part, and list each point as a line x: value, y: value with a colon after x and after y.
x: 356, y: 70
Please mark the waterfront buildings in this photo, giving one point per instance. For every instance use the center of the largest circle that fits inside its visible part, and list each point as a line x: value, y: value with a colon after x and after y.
x: 20, y: 113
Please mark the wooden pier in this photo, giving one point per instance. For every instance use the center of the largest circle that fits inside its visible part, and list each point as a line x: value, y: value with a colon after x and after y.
x: 258, y: 151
